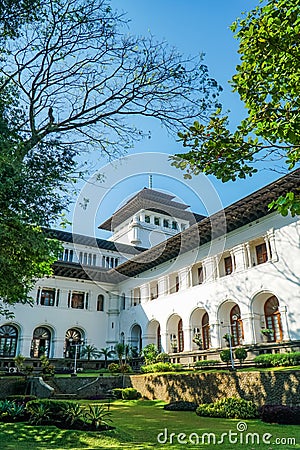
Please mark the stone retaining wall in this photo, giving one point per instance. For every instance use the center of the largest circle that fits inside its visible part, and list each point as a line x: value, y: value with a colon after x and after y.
x: 261, y: 387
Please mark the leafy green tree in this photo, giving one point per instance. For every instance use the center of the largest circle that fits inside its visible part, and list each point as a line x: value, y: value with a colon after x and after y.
x: 267, y: 80
x: 150, y: 353
x: 72, y: 78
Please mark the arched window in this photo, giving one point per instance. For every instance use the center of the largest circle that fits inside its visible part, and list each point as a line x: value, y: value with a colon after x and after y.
x: 100, y: 303
x: 180, y: 336
x: 205, y: 331
x: 73, y: 337
x: 8, y: 341
x: 236, y: 325
x: 40, y: 344
x: 273, y: 319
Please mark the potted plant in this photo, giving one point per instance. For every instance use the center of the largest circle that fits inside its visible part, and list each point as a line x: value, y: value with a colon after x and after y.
x: 267, y: 333
x: 198, y: 340
x: 174, y: 345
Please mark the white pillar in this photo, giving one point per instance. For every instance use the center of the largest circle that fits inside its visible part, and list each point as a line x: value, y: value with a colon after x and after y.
x: 272, y: 242
x: 162, y: 286
x: 145, y: 292
x: 183, y: 275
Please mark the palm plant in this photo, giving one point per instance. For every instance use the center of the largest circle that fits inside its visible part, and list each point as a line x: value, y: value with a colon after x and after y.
x: 90, y: 351
x: 107, y: 353
x: 38, y: 413
x: 72, y: 412
x: 98, y: 415
x: 120, y: 351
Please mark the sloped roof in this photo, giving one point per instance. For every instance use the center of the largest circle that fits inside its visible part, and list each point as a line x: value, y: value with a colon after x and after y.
x: 150, y: 199
x: 90, y: 241
x: 240, y: 213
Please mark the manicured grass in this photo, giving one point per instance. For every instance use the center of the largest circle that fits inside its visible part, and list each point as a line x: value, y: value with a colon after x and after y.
x: 138, y: 424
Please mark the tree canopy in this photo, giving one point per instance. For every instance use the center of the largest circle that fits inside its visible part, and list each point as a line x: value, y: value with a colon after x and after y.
x: 267, y: 80
x: 72, y: 77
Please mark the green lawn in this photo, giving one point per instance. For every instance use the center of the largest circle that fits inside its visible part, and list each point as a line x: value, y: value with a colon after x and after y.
x: 138, y: 424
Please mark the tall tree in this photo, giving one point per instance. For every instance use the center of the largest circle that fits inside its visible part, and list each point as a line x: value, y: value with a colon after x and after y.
x: 71, y: 78
x: 267, y: 80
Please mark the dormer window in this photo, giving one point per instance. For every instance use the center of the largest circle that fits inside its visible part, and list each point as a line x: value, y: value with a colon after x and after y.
x: 174, y: 225
x: 166, y: 223
x: 147, y: 219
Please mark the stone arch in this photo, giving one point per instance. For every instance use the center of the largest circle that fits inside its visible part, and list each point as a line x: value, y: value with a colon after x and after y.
x: 199, y: 324
x: 154, y: 334
x: 74, y: 337
x: 175, y: 334
x: 41, y: 341
x: 231, y: 323
x: 267, y: 316
x: 136, y: 338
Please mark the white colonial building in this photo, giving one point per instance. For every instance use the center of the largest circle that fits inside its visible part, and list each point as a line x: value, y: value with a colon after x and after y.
x: 170, y: 277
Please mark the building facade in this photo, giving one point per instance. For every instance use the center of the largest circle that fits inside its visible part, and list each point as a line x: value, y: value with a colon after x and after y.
x: 185, y: 282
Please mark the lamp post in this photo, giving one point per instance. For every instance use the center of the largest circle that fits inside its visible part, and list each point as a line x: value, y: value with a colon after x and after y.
x: 75, y: 343
x: 228, y: 325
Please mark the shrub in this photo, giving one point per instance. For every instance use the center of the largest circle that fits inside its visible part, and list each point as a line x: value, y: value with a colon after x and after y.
x: 206, y: 364
x: 149, y: 353
x: 225, y: 356
x: 72, y: 412
x: 117, y: 392
x: 114, y: 368
x: 163, y: 357
x: 98, y: 416
x: 278, y: 359
x: 130, y: 394
x: 229, y: 408
x: 55, y: 408
x: 181, y: 406
x: 282, y: 414
x: 240, y: 354
x: 161, y: 367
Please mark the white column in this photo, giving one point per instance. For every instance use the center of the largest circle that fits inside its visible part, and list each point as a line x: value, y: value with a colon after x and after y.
x: 248, y: 254
x: 187, y: 339
x: 214, y: 328
x: 249, y: 337
x: 216, y: 260
x: 271, y: 237
x: 209, y: 264
x: 240, y: 257
x: 113, y: 319
x: 266, y: 239
x: 183, y: 275
x: 145, y: 292
x: 162, y: 286
x: 284, y: 323
x: 164, y: 340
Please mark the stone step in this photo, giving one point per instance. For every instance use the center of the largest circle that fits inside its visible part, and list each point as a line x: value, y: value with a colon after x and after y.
x: 58, y: 396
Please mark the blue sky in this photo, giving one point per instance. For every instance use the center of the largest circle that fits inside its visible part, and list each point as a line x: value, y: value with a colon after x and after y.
x: 193, y: 27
